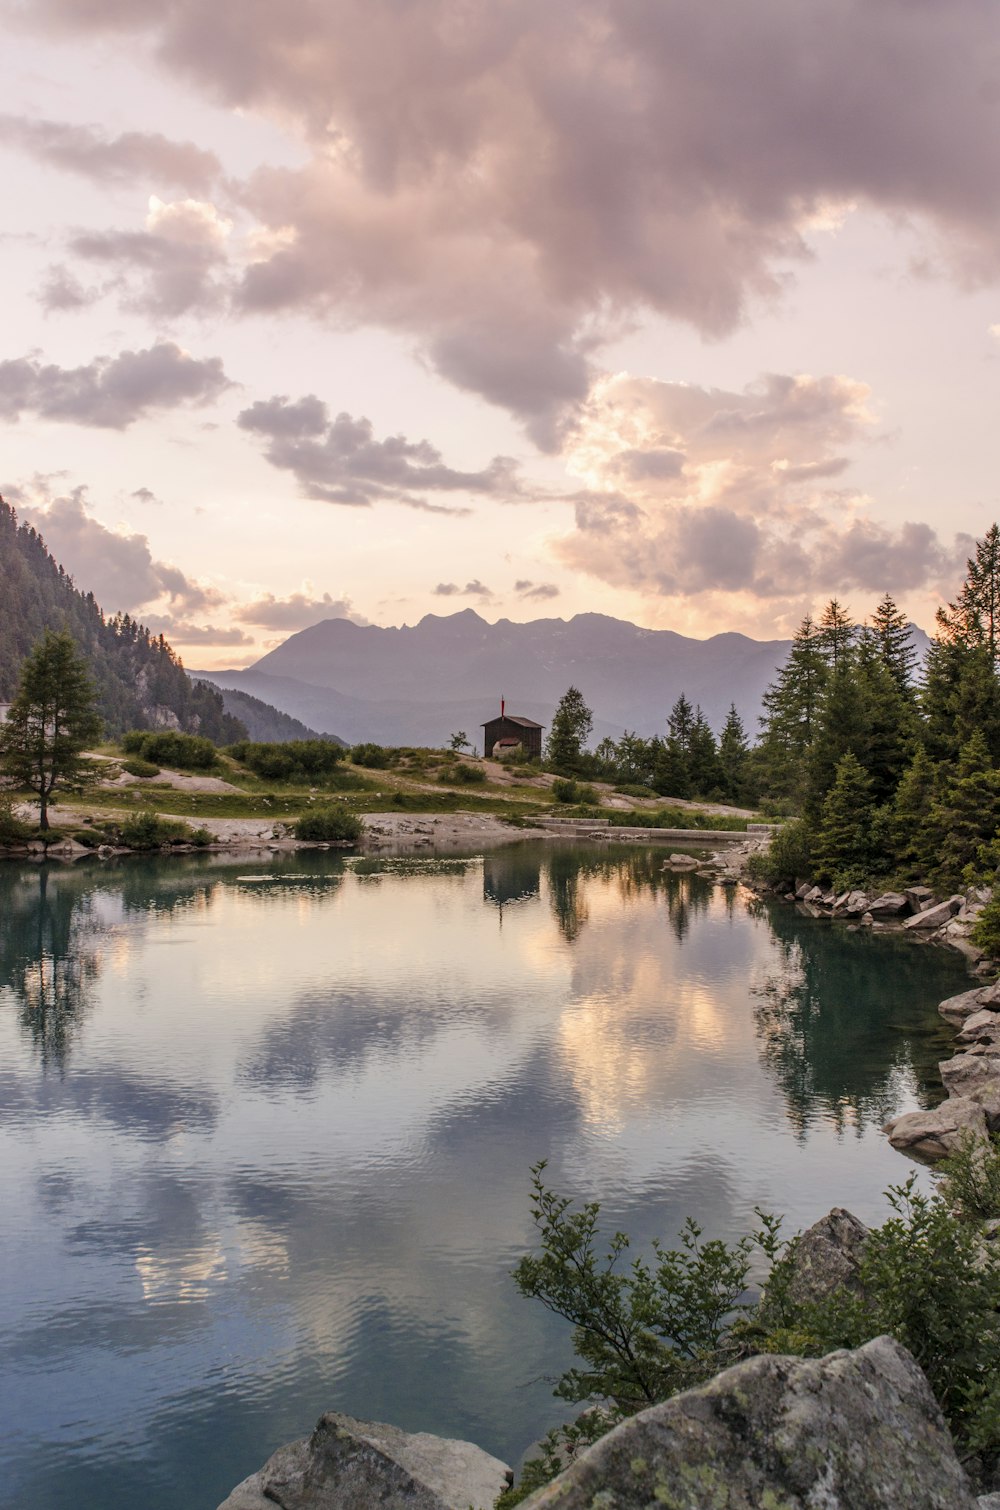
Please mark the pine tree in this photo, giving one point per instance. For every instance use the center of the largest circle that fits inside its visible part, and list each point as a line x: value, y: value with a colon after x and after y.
x: 51, y: 721
x: 837, y: 631
x: 974, y: 618
x: 671, y: 773
x: 734, y: 756
x: 965, y: 816
x: 791, y: 711
x: 894, y: 639
x: 842, y: 842
x: 703, y: 758
x: 959, y: 698
x: 681, y: 721
x: 907, y: 827
x: 571, y: 726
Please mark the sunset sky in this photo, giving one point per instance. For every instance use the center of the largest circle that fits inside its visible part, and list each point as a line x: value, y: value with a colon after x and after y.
x: 683, y: 312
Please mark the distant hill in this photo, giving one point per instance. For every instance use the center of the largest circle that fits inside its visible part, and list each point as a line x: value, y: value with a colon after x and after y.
x: 140, y: 682
x: 419, y: 684
x: 266, y: 724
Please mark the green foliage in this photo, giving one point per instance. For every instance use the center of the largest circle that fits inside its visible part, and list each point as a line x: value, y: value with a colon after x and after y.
x: 672, y: 817
x: 12, y: 829
x: 140, y: 768
x: 459, y: 741
x: 734, y: 758
x: 569, y: 732
x: 568, y: 791
x: 168, y: 747
x: 464, y: 775
x: 645, y: 1329
x: 788, y: 857
x: 326, y: 825
x: 986, y: 929
x: 146, y: 831
x: 375, y: 757
x: 630, y: 790
x: 294, y: 760
x: 842, y: 850
x: 971, y: 1178
x: 51, y: 721
x: 965, y: 816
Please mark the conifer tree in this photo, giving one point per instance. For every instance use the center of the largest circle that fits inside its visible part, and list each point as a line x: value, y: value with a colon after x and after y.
x: 791, y: 711
x: 671, y: 774
x: 974, y: 618
x: 51, y: 721
x: 680, y: 722
x: 571, y: 726
x: 734, y: 755
x: 894, y: 640
x: 703, y: 757
x: 907, y: 826
x: 837, y: 631
x: 965, y: 816
x: 842, y: 842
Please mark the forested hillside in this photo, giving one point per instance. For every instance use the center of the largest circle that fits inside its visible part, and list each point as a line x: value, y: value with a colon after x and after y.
x: 266, y: 724
x: 140, y: 681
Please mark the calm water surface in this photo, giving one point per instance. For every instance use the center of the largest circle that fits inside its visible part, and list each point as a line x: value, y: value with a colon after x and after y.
x: 266, y: 1128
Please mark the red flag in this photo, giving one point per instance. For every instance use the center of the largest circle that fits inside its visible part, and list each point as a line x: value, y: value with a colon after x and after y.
x: 501, y: 705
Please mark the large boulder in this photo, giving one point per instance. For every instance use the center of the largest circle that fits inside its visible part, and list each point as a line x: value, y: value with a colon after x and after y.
x: 366, y: 1465
x: 958, y: 1008
x: 891, y: 904
x: 981, y: 1027
x: 851, y: 1431
x: 935, y: 917
x: 975, y: 1076
x: 827, y: 1258
x: 935, y: 1134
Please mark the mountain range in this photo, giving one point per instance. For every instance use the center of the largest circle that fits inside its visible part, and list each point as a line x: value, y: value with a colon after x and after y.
x: 420, y: 684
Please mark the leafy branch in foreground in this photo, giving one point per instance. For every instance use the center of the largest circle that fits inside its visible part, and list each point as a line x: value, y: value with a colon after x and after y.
x: 644, y: 1330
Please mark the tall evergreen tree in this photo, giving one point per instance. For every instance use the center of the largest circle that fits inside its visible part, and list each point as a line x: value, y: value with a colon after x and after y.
x: 974, y: 618
x: 671, y: 773
x: 908, y: 820
x: 51, y: 721
x: 791, y: 713
x: 703, y: 758
x: 837, y: 632
x: 894, y: 639
x: 734, y: 756
x: 571, y: 725
x: 965, y: 816
x: 680, y: 722
x: 842, y: 842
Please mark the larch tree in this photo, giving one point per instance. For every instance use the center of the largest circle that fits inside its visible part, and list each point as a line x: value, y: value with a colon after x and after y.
x: 51, y: 721
x: 571, y: 726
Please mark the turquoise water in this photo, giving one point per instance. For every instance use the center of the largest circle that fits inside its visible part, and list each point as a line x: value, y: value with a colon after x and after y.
x: 266, y: 1130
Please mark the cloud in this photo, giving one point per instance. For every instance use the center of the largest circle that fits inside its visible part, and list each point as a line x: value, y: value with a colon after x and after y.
x: 62, y: 292
x: 297, y: 611
x: 134, y: 156
x: 339, y: 460
x: 145, y: 495
x: 175, y: 265
x: 182, y: 632
x: 119, y: 569
x: 539, y: 590
x: 110, y: 392
x: 507, y: 184
x: 744, y: 505
x: 474, y: 589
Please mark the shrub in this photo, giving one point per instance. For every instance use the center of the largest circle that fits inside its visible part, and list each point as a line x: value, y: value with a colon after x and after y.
x: 375, y: 757
x: 146, y: 831
x: 648, y: 1329
x: 634, y: 789
x: 464, y: 775
x: 565, y: 790
x: 90, y: 838
x: 167, y: 747
x: 12, y: 829
x: 986, y: 929
x: 292, y: 759
x: 136, y: 767
x: 787, y: 857
x: 329, y: 824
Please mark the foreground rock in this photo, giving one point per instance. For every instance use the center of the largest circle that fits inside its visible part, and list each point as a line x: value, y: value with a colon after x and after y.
x: 360, y: 1465
x: 935, y: 1134
x: 827, y: 1258
x: 852, y: 1431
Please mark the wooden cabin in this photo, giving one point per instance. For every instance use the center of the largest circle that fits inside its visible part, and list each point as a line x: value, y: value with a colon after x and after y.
x: 504, y: 734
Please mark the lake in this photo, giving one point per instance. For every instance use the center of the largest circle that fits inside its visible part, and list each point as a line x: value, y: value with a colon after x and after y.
x: 266, y: 1129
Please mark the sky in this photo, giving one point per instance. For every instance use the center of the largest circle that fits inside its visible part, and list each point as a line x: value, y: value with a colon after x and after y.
x: 684, y: 313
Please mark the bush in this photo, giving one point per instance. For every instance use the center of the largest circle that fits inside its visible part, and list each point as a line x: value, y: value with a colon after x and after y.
x: 90, y: 838
x: 291, y: 760
x: 787, y: 857
x: 329, y: 824
x: 12, y: 829
x: 633, y: 789
x: 166, y: 747
x: 375, y: 757
x: 146, y: 831
x: 648, y: 1329
x: 569, y: 791
x: 464, y: 775
x: 136, y: 767
x: 986, y: 929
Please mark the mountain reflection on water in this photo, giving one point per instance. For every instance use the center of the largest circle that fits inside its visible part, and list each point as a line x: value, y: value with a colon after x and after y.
x: 266, y: 1127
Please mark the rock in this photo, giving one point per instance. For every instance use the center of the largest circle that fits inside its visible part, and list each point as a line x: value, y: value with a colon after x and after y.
x: 958, y: 1008
x: 857, y: 903
x: 981, y: 1027
x: 814, y: 894
x: 366, y: 1465
x: 827, y: 1258
x: 989, y: 996
x: 936, y: 1134
x: 801, y: 892
x: 840, y: 902
x: 683, y: 862
x: 975, y: 1077
x: 935, y: 917
x: 891, y: 904
x: 829, y: 898
x: 988, y: 1502
x: 104, y: 851
x: 851, y: 1431
x: 919, y: 897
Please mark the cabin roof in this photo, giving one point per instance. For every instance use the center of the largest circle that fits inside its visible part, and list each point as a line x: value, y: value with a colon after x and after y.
x: 512, y: 718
